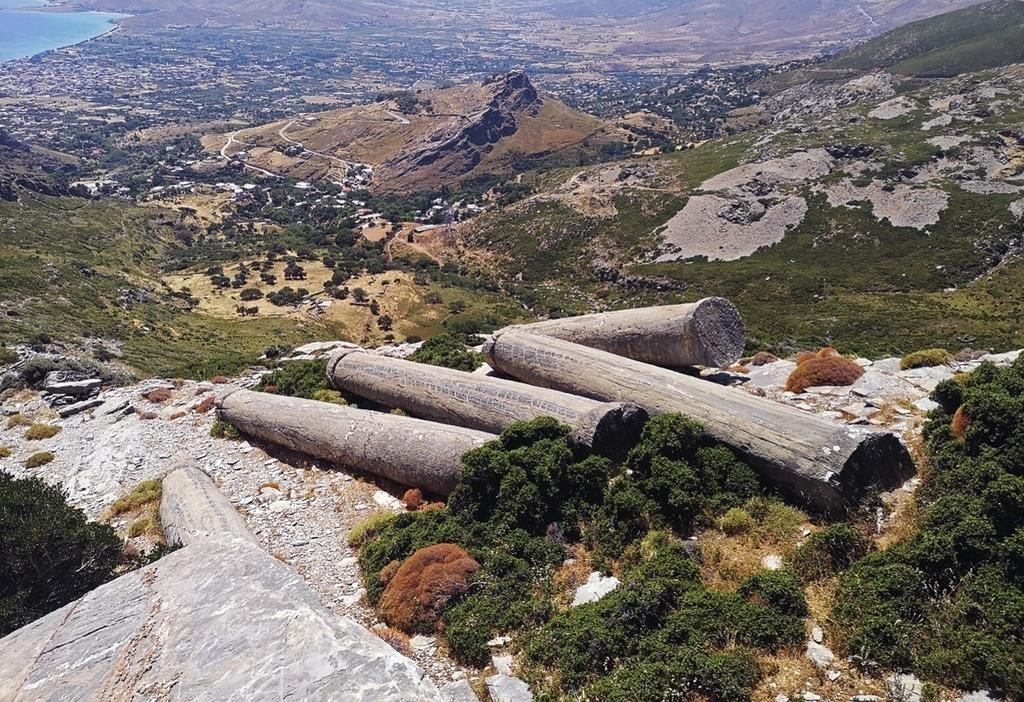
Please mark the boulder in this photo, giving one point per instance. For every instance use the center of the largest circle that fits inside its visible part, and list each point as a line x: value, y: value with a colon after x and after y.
x: 458, y: 691
x: 75, y: 388
x: 79, y: 407
x: 505, y: 688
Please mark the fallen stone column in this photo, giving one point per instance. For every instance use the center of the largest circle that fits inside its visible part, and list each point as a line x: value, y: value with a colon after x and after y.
x: 479, y: 402
x: 705, y: 333
x: 826, y: 465
x: 193, y: 509
x: 218, y: 620
x: 408, y: 451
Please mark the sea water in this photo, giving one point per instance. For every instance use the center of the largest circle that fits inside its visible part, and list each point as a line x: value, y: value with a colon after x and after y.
x: 25, y: 31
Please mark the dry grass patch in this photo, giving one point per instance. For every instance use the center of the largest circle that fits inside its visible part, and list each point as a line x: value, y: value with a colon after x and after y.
x: 142, y: 495
x: 18, y: 420
x: 5, y: 451
x: 395, y: 639
x: 39, y: 459
x: 38, y: 432
x: 744, y: 537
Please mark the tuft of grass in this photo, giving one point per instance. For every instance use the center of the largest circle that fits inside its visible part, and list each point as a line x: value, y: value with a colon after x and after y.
x: 144, y: 494
x: 18, y: 420
x: 38, y: 432
x: 926, y: 358
x: 736, y: 521
x: 332, y: 396
x: 223, y: 430
x: 39, y: 459
x: 368, y: 528
x: 5, y: 451
x: 148, y: 525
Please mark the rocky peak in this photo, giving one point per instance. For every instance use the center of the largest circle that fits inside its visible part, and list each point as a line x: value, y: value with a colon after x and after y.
x: 513, y: 92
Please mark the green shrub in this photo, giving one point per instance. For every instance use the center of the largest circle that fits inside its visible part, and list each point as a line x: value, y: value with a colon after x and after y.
x: 49, y: 553
x: 296, y: 379
x: 779, y: 589
x: 829, y: 551
x: 38, y: 432
x: 530, y: 479
x: 678, y: 478
x: 8, y: 356
x: 948, y: 603
x: 38, y: 459
x: 925, y: 359
x: 223, y: 430
x: 449, y: 351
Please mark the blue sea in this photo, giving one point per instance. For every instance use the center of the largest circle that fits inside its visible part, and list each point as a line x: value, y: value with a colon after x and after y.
x: 27, y: 32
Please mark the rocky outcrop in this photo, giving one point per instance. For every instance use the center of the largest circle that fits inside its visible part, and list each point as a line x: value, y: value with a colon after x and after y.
x: 458, y: 147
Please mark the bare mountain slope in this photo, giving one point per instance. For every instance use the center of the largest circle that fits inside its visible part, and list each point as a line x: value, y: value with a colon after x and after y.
x: 444, y: 136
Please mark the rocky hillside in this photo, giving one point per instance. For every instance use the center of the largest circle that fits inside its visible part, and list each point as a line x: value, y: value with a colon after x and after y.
x: 423, y: 140
x: 874, y: 213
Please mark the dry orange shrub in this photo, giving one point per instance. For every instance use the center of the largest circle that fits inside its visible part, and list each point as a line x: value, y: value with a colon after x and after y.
x: 416, y: 595
x: 960, y: 423
x: 826, y: 367
x: 412, y: 499
x: 763, y: 358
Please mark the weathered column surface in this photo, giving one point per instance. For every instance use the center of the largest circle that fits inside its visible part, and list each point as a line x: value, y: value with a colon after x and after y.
x: 408, y: 451
x: 827, y: 465
x: 709, y: 332
x: 193, y: 509
x: 480, y: 402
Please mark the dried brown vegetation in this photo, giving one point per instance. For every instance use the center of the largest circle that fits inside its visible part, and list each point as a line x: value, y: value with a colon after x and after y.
x: 826, y: 367
x: 416, y: 595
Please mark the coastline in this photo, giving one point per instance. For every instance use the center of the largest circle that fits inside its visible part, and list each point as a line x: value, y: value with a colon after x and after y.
x: 113, y: 19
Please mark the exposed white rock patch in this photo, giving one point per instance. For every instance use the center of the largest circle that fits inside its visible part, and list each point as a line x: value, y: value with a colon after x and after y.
x: 727, y: 229
x: 948, y: 141
x: 596, y: 587
x: 940, y: 121
x: 902, y: 205
x: 989, y: 187
x: 1017, y: 208
x: 794, y: 168
x: 891, y: 109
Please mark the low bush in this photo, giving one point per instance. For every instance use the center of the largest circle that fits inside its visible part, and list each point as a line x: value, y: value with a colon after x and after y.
x: 50, y: 554
x: 678, y: 478
x: 39, y: 459
x: 829, y: 551
x: 826, y: 367
x: 925, y: 359
x: 223, y: 430
x: 8, y: 356
x: 763, y: 358
x: 418, y: 592
x: 522, y: 499
x: 296, y: 379
x: 448, y: 350
x: 38, y: 432
x: 5, y: 451
x: 663, y: 619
